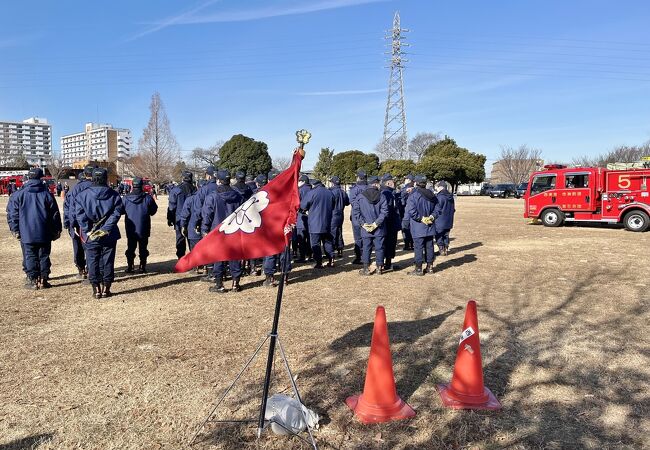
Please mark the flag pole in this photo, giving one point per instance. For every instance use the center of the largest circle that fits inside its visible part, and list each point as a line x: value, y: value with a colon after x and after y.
x: 303, y: 137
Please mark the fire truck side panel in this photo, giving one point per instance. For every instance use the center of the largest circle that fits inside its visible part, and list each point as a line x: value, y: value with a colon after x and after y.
x: 625, y: 191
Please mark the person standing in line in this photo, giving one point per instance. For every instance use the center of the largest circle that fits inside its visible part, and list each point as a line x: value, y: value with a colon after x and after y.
x: 70, y: 221
x: 341, y: 201
x: 34, y: 219
x: 420, y: 206
x: 319, y: 203
x: 406, y: 221
x: 138, y: 207
x: 98, y: 210
x: 355, y: 192
x: 177, y: 197
x: 302, y: 223
x: 443, y: 215
x: 393, y: 220
x: 370, y: 211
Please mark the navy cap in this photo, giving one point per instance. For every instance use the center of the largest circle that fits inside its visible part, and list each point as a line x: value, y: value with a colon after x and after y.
x: 409, y: 176
x: 100, y: 175
x: 386, y: 177
x: 361, y: 174
x: 210, y: 171
x: 304, y: 178
x: 88, y: 171
x: 35, y: 173
x: 223, y: 175
x: 373, y: 179
x: 187, y: 176
x: 240, y: 176
x: 420, y: 179
x: 442, y: 184
x: 137, y: 182
x: 250, y: 178
x: 261, y: 179
x: 335, y: 180
x: 316, y: 182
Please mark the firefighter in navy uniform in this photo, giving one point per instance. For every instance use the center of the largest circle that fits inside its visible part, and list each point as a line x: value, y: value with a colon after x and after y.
x: 319, y: 203
x: 177, y: 197
x: 98, y: 210
x: 341, y: 201
x: 444, y: 216
x: 419, y: 207
x: 240, y: 186
x: 138, y: 208
x: 370, y: 211
x: 216, y: 208
x: 302, y: 223
x: 33, y: 218
x: 70, y: 221
x: 393, y: 220
x: 355, y: 192
x: 192, y: 222
x: 406, y: 221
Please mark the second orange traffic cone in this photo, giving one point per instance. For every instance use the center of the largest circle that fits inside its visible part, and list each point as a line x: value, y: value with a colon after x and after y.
x: 379, y: 401
x: 466, y: 390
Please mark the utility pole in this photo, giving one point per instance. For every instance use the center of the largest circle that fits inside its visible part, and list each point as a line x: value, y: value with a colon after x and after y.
x: 395, y: 141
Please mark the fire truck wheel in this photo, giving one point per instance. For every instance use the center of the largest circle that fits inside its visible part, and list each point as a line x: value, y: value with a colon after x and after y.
x: 552, y: 217
x: 636, y: 220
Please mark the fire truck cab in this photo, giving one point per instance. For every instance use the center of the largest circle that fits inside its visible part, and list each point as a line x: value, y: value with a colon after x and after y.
x: 589, y: 194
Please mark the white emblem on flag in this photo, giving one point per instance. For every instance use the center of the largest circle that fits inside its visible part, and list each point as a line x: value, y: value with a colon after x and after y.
x: 247, y: 217
x: 469, y: 331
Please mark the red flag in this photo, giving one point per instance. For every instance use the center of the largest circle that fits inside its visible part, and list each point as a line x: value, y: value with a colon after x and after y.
x: 259, y: 227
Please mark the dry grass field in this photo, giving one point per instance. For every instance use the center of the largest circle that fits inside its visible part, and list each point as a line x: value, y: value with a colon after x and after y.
x: 563, y: 317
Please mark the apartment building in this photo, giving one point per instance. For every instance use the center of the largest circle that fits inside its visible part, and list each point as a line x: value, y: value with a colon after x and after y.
x: 98, y: 142
x: 30, y: 139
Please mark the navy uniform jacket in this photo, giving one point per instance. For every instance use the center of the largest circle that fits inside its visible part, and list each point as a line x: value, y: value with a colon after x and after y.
x: 421, y: 203
x: 320, y: 202
x: 355, y: 192
x: 33, y: 212
x: 94, y: 203
x: 393, y: 219
x: 69, y: 219
x: 138, y: 208
x: 301, y: 218
x: 177, y: 198
x: 403, y: 197
x: 244, y: 190
x: 341, y: 201
x: 196, y: 205
x: 186, y: 216
x: 371, y: 207
x: 444, y: 211
x: 219, y: 205
x: 252, y: 185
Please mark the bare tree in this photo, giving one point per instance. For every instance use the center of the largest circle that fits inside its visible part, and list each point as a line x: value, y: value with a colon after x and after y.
x: 207, y: 156
x: 620, y: 154
x: 158, y: 150
x: 281, y: 163
x: 421, y: 142
x: 516, y: 164
x: 393, y: 149
x: 56, y: 166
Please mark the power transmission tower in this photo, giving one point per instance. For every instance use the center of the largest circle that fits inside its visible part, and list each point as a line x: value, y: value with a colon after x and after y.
x: 395, y: 141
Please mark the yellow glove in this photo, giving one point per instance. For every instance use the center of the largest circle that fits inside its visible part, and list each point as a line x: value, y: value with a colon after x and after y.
x: 370, y: 227
x: 427, y: 220
x: 97, y: 234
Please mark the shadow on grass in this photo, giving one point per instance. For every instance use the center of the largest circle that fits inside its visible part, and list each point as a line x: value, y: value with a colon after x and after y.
x: 28, y: 443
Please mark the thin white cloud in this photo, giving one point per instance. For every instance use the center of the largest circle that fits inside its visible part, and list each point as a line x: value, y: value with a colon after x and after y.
x: 350, y: 92
x: 174, y: 20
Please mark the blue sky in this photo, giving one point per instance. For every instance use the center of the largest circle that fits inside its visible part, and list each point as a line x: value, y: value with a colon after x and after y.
x: 571, y: 78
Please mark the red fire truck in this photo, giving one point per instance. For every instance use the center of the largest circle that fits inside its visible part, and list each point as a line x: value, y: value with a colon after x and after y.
x: 51, y: 184
x: 589, y: 194
x: 146, y: 184
x: 17, y: 180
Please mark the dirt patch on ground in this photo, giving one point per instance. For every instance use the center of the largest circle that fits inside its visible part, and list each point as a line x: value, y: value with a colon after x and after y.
x: 563, y: 314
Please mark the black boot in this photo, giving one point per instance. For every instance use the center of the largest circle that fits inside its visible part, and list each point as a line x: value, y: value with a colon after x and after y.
x: 428, y: 268
x: 143, y: 266
x: 269, y: 281
x: 418, y: 271
x: 365, y: 271
x: 218, y: 286
x: 31, y: 284
x: 388, y: 264
x: 106, y: 292
x: 380, y: 270
x: 44, y: 283
x: 129, y: 266
x: 339, y: 253
x: 97, y: 291
x: 235, y: 285
x: 330, y: 262
x: 81, y: 275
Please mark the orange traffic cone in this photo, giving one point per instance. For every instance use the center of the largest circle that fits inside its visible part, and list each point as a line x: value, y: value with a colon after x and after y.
x: 466, y: 390
x: 379, y: 401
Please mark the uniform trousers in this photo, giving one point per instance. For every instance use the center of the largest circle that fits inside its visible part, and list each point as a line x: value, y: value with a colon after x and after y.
x: 181, y: 241
x: 304, y: 248
x: 101, y: 262
x: 132, y: 241
x: 219, y: 269
x: 270, y: 264
x: 442, y: 238
x: 423, y: 249
x: 316, y: 240
x: 368, y: 243
x: 406, y: 235
x: 337, y: 235
x: 390, y: 242
x: 78, y: 250
x: 36, y: 258
x: 358, y: 241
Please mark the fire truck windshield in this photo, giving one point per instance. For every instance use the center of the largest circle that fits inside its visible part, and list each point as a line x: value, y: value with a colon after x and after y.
x: 543, y: 183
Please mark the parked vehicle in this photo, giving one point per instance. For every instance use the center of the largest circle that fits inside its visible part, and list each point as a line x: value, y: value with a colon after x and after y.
x: 486, y: 188
x: 521, y: 190
x: 589, y: 194
x: 503, y: 191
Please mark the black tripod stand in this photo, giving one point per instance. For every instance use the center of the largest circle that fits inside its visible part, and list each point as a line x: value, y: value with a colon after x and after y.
x: 273, y: 338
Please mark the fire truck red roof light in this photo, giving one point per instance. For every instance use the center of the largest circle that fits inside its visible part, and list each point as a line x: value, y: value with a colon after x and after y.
x: 554, y: 166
